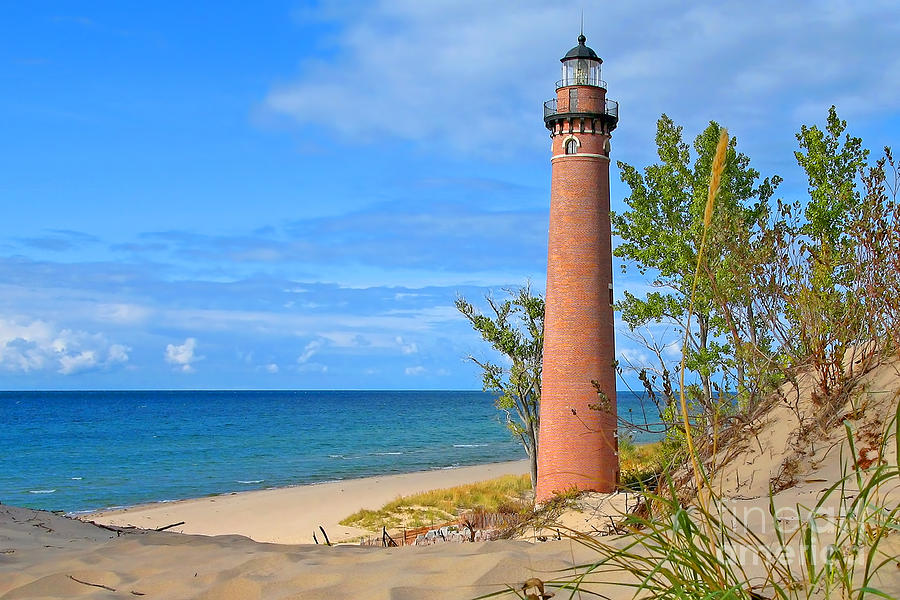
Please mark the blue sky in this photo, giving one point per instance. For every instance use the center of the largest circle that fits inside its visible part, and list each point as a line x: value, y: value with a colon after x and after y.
x: 291, y: 195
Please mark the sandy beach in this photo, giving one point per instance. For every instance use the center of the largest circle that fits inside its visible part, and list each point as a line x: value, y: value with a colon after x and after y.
x: 291, y: 515
x: 48, y: 555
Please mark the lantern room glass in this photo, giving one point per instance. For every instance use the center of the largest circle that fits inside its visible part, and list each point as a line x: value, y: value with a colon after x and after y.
x: 581, y: 71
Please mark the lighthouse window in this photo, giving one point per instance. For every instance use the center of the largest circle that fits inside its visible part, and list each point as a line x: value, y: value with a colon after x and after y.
x: 571, y: 146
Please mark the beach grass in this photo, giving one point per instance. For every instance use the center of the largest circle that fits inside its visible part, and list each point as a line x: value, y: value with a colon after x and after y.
x: 640, y: 464
x: 509, y: 493
x: 506, y: 493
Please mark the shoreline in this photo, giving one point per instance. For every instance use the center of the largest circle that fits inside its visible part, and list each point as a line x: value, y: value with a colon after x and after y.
x: 290, y: 515
x: 77, y: 514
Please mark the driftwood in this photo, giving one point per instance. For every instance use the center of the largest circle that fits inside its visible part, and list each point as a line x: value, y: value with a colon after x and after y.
x: 97, y: 585
x: 170, y: 526
x: 101, y: 586
x: 115, y: 529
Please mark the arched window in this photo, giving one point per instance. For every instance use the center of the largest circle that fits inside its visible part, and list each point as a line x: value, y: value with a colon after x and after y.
x: 571, y: 146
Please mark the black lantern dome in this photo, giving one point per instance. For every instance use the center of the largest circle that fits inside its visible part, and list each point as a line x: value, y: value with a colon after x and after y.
x: 581, y: 66
x: 581, y: 51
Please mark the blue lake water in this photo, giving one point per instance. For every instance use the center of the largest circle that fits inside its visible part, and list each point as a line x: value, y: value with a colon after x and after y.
x: 77, y: 451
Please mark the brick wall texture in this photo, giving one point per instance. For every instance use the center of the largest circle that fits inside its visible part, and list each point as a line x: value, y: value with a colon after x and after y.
x: 578, y: 446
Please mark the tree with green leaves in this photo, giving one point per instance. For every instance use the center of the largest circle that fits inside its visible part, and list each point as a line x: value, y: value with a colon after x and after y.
x: 823, y: 305
x: 833, y: 166
x: 659, y: 235
x: 514, y: 327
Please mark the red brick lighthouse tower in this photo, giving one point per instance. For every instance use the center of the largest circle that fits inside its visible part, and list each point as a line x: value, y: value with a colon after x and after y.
x: 578, y: 445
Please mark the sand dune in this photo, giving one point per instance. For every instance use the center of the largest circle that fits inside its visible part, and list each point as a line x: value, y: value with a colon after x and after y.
x: 43, y: 552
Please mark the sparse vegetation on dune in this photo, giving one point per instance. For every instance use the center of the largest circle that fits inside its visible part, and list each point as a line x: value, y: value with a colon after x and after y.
x: 640, y: 465
x: 510, y: 493
x: 507, y: 494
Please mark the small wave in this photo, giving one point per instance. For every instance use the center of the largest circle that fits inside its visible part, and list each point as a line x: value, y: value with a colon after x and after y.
x: 336, y: 456
x: 41, y: 491
x: 469, y: 445
x: 250, y: 481
x: 76, y: 478
x: 386, y: 453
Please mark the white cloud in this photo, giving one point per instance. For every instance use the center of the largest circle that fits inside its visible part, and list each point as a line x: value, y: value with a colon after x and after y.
x: 183, y: 355
x: 271, y: 368
x: 413, y: 371
x: 473, y: 74
x: 475, y: 55
x: 672, y: 350
x: 406, y: 347
x: 39, y: 345
x: 73, y: 363
x: 118, y: 353
x: 631, y: 357
x: 309, y: 351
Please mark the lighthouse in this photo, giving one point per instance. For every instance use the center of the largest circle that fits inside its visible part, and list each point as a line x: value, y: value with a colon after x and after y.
x: 578, y: 445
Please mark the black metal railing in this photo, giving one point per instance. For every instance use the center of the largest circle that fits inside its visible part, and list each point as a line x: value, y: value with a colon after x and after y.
x: 550, y: 108
x: 612, y: 108
x: 581, y: 80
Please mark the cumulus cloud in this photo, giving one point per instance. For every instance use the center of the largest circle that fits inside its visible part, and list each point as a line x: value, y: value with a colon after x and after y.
x: 406, y: 347
x: 271, y: 368
x: 413, y: 371
x: 182, y: 356
x: 632, y: 357
x: 38, y: 345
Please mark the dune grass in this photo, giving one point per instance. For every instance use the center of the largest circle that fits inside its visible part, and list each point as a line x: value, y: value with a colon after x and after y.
x: 640, y: 465
x: 436, y: 506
